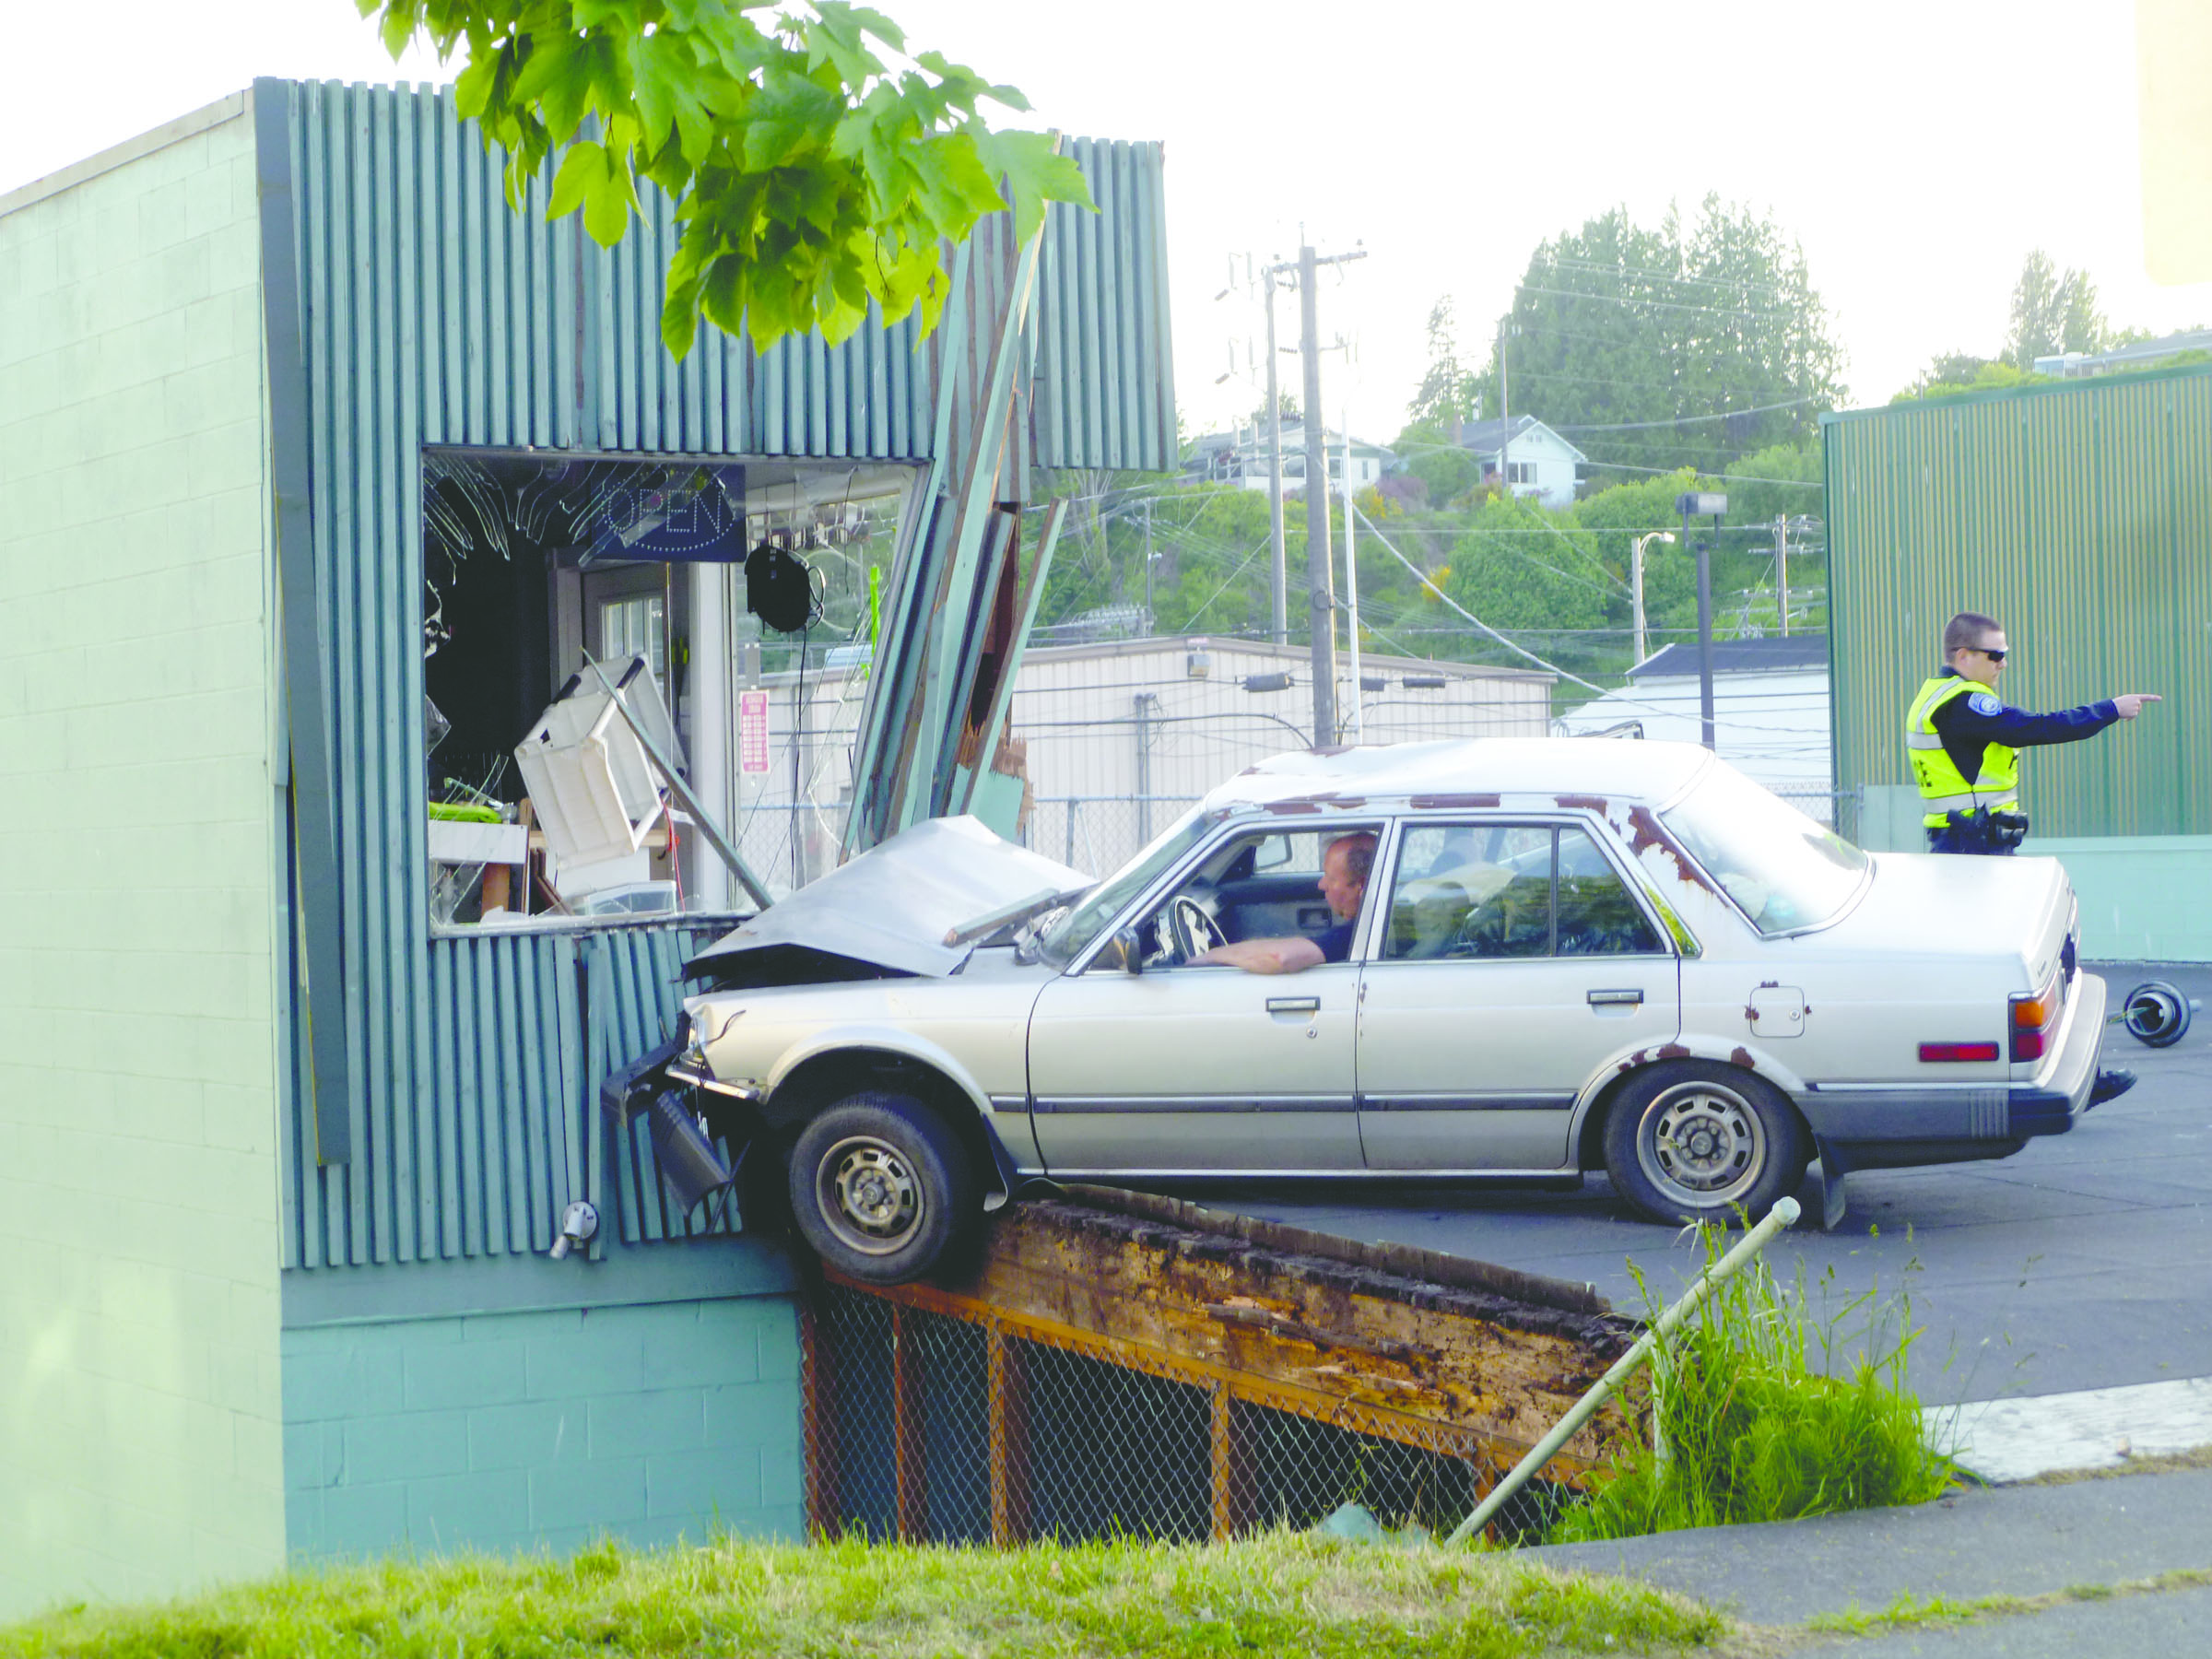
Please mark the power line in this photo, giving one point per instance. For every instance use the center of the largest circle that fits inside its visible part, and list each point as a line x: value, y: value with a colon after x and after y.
x: 1638, y: 425
x: 1716, y: 310
x: 1646, y: 271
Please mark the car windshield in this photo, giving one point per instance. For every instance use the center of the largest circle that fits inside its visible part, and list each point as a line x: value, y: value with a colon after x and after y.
x: 1067, y: 937
x: 1784, y: 870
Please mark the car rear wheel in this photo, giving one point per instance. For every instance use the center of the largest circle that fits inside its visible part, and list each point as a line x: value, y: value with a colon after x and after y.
x: 880, y: 1187
x: 1691, y: 1141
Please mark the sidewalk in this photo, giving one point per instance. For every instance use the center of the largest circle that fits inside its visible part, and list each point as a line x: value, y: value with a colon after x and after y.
x: 2017, y: 1540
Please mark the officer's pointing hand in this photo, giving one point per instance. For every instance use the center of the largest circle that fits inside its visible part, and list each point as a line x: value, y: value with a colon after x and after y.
x: 2132, y: 704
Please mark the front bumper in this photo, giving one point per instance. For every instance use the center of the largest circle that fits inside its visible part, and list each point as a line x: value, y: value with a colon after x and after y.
x: 1901, y: 1126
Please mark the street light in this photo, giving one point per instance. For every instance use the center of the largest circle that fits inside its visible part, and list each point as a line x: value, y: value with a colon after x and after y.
x: 1699, y: 503
x: 1636, y: 583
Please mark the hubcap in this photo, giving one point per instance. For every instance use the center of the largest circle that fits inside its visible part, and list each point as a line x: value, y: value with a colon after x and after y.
x: 1702, y: 1146
x: 869, y: 1195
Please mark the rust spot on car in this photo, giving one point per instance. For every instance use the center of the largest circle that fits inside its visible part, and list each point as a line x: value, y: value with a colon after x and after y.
x: 1646, y: 831
x: 1742, y: 1056
x: 1672, y: 1051
x: 1582, y: 803
x: 1449, y: 802
x: 1750, y: 1014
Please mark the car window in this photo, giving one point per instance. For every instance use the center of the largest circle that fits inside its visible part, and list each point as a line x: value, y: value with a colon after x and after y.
x: 1510, y: 890
x: 1597, y: 916
x: 1785, y: 870
x: 1471, y: 890
x: 1067, y: 938
x: 1265, y: 885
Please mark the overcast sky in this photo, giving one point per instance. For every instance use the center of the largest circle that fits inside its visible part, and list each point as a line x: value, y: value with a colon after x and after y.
x: 1917, y: 150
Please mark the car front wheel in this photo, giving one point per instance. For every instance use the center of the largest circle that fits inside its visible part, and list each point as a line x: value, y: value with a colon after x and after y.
x: 880, y: 1187
x: 1691, y: 1141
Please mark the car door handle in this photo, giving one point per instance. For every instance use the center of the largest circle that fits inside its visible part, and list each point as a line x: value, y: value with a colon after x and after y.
x: 1613, y: 999
x: 1294, y: 1005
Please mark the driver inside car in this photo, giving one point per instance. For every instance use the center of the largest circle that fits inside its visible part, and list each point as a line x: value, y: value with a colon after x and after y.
x: 1343, y: 872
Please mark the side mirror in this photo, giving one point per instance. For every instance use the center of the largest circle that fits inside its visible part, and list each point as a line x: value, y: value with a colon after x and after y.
x: 1124, y: 951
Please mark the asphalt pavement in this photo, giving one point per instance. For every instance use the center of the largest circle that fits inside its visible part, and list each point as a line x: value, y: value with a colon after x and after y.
x: 2082, y: 1263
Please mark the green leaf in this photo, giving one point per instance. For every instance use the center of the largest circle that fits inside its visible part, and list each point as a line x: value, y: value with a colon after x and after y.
x: 606, y: 209
x: 836, y: 37
x: 583, y: 165
x: 1035, y: 174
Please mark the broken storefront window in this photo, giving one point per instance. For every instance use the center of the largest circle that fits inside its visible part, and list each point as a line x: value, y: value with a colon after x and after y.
x: 540, y: 570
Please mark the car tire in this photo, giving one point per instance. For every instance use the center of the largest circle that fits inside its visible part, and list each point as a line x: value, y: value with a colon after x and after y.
x: 880, y: 1187
x: 1687, y: 1140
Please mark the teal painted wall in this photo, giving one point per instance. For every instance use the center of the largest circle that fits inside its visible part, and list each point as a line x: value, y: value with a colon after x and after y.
x: 140, y: 926
x: 543, y: 1430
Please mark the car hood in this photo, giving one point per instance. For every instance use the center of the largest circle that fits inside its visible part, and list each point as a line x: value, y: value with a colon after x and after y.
x: 888, y: 910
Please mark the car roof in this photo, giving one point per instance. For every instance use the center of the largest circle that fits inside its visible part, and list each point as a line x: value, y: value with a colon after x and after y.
x: 1463, y: 772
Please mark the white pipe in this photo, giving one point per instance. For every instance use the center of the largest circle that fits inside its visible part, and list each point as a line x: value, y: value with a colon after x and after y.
x: 1784, y: 1214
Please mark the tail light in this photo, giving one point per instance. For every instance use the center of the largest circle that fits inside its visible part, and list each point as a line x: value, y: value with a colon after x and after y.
x: 2033, y: 1017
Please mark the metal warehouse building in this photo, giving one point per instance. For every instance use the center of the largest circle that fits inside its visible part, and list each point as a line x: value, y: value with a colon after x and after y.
x: 2080, y: 517
x: 288, y: 397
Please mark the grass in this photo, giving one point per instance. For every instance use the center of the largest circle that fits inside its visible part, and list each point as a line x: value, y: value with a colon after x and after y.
x: 1752, y: 1421
x: 1907, y: 1613
x: 1278, y: 1593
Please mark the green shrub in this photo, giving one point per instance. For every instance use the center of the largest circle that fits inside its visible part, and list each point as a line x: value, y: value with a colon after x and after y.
x: 1753, y: 1420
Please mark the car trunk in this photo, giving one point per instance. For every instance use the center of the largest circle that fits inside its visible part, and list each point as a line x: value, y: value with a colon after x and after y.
x: 1974, y: 930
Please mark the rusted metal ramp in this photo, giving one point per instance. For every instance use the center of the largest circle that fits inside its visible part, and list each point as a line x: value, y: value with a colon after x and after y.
x: 1119, y: 1362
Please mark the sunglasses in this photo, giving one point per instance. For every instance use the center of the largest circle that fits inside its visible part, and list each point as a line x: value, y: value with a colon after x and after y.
x: 1994, y: 656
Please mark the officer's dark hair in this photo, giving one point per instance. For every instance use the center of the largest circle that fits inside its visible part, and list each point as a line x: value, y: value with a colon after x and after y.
x: 1359, y: 854
x: 1965, y: 630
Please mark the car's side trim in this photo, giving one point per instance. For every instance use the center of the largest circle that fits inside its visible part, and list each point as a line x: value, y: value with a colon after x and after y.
x: 1563, y: 1102
x: 1010, y: 1103
x: 1069, y: 1172
x: 1192, y: 1103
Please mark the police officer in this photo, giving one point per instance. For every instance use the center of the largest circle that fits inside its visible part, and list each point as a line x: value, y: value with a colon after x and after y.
x: 1965, y: 742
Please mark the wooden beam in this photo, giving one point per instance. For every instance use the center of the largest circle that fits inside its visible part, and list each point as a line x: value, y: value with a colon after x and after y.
x: 912, y: 1504
x: 1010, y: 1415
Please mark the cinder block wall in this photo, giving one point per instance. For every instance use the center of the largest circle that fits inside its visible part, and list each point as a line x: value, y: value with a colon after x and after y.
x: 543, y: 1430
x: 140, y: 1427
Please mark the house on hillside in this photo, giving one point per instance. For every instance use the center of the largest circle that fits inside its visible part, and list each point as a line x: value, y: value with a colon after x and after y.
x: 1539, y: 463
x: 1769, y: 711
x: 1239, y: 458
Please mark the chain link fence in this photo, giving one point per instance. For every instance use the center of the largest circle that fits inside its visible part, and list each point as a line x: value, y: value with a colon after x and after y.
x: 954, y: 1429
x: 1100, y: 833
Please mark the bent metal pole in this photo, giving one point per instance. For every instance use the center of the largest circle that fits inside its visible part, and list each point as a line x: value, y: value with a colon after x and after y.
x: 1784, y: 1214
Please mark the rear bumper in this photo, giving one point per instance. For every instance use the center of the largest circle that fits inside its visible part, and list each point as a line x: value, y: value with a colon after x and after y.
x: 1907, y: 1124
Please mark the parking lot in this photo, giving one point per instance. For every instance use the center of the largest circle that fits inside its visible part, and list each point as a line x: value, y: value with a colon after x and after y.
x: 2080, y: 1263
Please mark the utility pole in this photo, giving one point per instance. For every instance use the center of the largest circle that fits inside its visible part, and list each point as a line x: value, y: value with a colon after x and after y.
x: 1151, y: 628
x: 1505, y: 410
x: 1351, y: 585
x: 1275, y: 476
x: 1319, y: 587
x: 1782, y: 570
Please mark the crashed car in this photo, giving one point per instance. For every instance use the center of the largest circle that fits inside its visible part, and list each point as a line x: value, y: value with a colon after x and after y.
x: 1570, y: 955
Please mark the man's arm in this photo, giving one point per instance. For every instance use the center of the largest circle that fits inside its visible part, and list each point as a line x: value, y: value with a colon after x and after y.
x: 1293, y: 955
x: 1979, y: 717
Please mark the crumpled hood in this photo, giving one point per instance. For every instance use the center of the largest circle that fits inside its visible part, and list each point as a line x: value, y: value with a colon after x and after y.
x: 890, y: 908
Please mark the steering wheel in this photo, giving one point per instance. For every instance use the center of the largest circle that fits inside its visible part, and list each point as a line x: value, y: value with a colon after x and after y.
x: 1193, y: 929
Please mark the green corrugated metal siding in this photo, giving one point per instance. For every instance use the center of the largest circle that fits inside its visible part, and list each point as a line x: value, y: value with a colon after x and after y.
x: 2080, y: 517
x: 430, y: 313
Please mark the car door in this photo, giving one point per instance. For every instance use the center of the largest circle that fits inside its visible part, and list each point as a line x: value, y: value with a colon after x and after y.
x: 1510, y: 961
x: 1201, y: 1068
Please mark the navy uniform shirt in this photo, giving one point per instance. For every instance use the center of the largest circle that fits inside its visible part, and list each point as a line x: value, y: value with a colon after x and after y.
x: 1336, y: 942
x: 1971, y: 723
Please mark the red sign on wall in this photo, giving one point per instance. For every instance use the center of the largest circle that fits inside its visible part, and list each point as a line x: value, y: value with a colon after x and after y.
x: 752, y: 731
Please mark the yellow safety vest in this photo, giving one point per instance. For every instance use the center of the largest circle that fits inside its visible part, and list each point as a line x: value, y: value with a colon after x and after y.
x: 1943, y: 787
